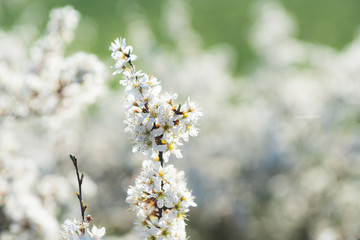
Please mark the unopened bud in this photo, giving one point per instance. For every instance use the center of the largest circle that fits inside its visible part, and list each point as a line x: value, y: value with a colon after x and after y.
x: 73, y: 158
x: 88, y: 218
x: 82, y: 177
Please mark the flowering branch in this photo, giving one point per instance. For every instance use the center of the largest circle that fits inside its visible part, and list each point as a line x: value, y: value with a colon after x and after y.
x: 157, y: 126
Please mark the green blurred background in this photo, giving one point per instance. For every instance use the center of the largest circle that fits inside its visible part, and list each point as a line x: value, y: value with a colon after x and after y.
x: 329, y: 22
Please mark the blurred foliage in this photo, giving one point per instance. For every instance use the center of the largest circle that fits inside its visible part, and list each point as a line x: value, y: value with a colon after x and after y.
x: 328, y: 22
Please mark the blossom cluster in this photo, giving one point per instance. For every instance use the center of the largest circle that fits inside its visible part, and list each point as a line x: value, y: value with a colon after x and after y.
x: 157, y: 126
x: 155, y: 123
x: 160, y: 200
x: 74, y: 229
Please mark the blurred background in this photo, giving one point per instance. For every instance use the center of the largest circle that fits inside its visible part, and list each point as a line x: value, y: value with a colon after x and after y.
x: 278, y: 81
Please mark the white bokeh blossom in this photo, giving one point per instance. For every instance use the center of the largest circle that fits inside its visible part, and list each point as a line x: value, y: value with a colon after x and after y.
x: 37, y: 80
x: 27, y: 206
x: 42, y: 81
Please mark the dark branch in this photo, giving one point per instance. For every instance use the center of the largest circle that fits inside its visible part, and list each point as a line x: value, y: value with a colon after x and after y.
x: 83, y: 206
x: 161, y: 159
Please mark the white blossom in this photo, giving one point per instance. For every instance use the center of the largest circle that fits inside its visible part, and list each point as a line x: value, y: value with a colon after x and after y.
x: 122, y: 54
x: 157, y: 126
x: 74, y: 229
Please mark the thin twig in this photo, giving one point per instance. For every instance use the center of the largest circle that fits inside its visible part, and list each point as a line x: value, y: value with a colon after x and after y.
x: 83, y: 207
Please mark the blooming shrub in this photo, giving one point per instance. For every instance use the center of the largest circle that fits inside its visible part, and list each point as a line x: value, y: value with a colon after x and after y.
x: 39, y: 83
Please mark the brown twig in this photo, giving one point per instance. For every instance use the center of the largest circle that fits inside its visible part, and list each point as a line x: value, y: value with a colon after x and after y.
x: 161, y: 159
x: 83, y: 206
